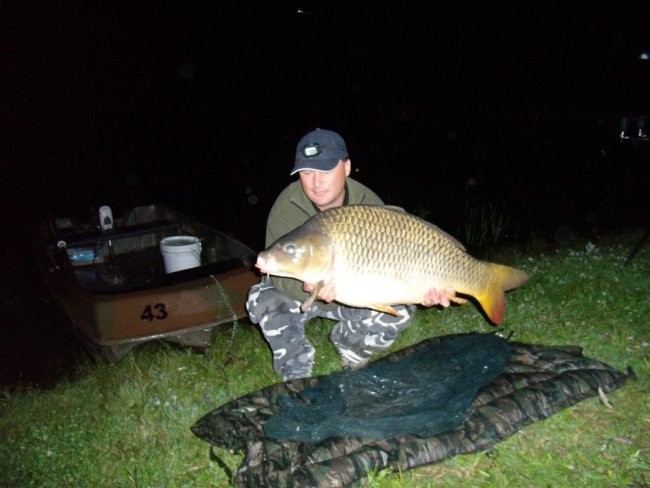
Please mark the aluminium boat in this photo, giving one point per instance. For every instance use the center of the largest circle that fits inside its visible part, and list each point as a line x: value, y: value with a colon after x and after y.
x: 153, y: 273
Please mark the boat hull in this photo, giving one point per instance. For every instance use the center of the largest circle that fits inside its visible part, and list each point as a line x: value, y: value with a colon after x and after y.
x: 182, y: 307
x: 185, y: 313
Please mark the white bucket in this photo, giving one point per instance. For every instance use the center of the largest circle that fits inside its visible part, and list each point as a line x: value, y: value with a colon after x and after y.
x: 181, y: 252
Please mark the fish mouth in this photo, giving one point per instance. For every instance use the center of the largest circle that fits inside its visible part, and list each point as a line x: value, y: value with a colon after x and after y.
x: 261, y: 264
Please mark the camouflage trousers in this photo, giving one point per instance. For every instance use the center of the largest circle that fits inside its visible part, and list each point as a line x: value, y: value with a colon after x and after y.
x: 358, y: 335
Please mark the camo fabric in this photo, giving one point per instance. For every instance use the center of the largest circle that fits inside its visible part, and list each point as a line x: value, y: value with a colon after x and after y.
x: 358, y: 335
x: 537, y: 382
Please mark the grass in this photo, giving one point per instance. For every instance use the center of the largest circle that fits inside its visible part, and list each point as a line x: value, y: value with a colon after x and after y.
x: 127, y: 425
x: 485, y: 224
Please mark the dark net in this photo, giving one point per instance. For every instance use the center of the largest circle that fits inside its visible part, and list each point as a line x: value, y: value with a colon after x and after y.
x: 424, y: 394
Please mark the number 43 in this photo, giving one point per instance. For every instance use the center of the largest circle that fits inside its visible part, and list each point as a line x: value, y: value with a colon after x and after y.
x: 151, y: 312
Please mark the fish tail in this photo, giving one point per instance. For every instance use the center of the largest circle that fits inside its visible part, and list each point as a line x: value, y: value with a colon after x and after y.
x: 492, y: 298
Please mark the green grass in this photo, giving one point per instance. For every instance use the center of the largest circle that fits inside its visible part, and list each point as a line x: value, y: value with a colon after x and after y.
x: 127, y: 425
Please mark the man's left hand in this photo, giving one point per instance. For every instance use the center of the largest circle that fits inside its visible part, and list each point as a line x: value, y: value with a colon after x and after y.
x: 438, y: 297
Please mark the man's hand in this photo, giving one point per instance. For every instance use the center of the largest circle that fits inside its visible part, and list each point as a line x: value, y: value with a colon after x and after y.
x: 327, y: 293
x: 440, y: 297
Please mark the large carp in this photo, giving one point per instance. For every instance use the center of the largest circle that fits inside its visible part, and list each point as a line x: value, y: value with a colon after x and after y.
x: 378, y: 256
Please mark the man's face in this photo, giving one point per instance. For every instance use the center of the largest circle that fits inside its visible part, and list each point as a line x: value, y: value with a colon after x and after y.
x: 326, y: 189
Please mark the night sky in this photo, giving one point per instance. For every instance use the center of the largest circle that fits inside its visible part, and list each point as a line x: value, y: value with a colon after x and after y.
x: 199, y: 106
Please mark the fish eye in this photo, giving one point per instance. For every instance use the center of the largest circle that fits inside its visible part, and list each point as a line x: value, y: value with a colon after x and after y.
x: 290, y: 249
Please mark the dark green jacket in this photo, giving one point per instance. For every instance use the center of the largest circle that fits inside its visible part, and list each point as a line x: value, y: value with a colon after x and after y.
x: 291, y: 209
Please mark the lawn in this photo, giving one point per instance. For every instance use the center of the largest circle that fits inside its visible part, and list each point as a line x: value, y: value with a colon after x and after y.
x: 128, y: 424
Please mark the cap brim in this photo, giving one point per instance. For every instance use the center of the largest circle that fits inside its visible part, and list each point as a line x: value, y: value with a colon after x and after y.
x: 321, y: 167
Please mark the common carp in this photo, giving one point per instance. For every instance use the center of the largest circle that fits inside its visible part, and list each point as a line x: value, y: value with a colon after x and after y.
x: 379, y: 256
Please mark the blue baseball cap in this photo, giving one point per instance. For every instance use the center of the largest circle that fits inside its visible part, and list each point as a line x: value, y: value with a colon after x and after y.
x: 319, y: 150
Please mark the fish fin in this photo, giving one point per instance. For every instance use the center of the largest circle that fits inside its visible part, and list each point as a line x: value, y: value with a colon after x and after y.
x: 395, y: 207
x: 455, y: 241
x: 492, y: 298
x: 386, y: 309
x: 435, y: 227
x: 306, y: 305
x: 457, y: 299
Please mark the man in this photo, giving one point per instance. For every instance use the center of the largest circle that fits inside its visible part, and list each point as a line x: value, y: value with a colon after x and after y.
x: 323, y: 167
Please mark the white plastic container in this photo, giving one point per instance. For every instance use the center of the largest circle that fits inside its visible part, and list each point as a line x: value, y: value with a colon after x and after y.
x: 105, y: 217
x: 180, y: 252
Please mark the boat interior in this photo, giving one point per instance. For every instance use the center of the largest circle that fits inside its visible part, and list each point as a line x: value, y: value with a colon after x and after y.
x: 127, y: 256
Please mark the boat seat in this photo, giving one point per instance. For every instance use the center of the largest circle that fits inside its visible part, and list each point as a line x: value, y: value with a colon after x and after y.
x: 93, y: 237
x: 97, y: 278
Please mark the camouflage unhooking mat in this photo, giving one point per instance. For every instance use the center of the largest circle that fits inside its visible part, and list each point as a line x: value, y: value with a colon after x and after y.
x: 441, y: 397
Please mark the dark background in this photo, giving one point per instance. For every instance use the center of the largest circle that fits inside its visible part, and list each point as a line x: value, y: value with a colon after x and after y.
x: 199, y: 106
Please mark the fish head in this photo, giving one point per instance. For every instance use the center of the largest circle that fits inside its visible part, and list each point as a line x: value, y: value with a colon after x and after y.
x: 303, y: 254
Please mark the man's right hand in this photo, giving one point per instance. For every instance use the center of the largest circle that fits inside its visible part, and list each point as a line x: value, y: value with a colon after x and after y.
x: 327, y: 293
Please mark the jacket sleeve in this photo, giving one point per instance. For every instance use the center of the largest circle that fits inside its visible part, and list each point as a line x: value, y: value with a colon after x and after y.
x: 284, y: 217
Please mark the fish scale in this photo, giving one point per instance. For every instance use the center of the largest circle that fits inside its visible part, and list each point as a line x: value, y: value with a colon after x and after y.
x: 380, y: 256
x: 375, y: 243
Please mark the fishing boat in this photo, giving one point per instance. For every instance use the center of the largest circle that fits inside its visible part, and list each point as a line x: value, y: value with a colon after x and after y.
x: 153, y: 273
